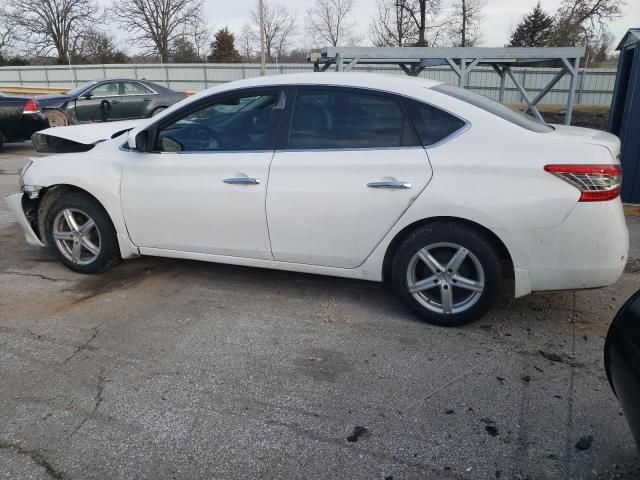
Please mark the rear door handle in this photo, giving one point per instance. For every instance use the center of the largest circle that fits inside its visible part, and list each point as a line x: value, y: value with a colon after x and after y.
x: 242, y: 181
x: 146, y: 99
x: 395, y: 184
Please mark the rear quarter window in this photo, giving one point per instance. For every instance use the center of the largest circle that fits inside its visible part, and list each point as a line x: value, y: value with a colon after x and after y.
x: 433, y: 125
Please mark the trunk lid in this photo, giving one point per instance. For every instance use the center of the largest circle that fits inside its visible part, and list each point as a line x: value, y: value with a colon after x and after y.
x: 590, y: 136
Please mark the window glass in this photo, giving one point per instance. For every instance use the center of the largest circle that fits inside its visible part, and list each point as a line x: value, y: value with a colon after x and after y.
x: 433, y: 124
x: 348, y: 119
x: 134, y: 88
x: 491, y: 106
x: 105, y: 90
x: 240, y: 123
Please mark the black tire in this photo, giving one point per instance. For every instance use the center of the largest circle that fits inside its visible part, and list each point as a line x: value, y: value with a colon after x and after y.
x: 1, y: 139
x: 480, y: 266
x: 102, y: 234
x: 156, y: 111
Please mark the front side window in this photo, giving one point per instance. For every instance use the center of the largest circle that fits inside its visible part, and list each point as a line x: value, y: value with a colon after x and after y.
x: 234, y: 124
x: 336, y: 118
x: 105, y: 90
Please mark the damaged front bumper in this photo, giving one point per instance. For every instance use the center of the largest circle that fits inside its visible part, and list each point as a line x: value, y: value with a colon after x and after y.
x: 14, y: 202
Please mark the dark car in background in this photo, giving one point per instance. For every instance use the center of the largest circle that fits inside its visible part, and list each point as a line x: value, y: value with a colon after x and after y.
x: 622, y: 361
x: 20, y: 117
x: 108, y: 100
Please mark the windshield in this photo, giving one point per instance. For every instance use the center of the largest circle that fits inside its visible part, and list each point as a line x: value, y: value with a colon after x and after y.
x: 491, y: 106
x: 81, y: 88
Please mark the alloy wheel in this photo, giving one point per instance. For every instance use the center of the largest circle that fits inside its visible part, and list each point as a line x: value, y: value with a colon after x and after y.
x: 446, y: 278
x: 76, y: 236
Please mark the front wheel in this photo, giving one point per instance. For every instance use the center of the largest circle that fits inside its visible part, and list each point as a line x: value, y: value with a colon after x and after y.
x: 447, y: 273
x: 56, y: 118
x: 80, y: 233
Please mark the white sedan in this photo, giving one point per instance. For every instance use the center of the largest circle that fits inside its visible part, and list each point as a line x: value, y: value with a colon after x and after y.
x: 437, y: 189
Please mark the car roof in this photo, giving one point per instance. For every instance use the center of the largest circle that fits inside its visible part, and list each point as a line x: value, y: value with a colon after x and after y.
x: 350, y: 79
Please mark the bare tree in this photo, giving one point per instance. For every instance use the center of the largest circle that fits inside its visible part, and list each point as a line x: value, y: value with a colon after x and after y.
x: 425, y: 16
x: 156, y: 24
x: 246, y: 42
x: 329, y: 21
x: 393, y: 26
x: 279, y: 26
x: 464, y: 23
x: 52, y: 25
x: 198, y: 32
x: 99, y: 47
x: 7, y: 36
x: 582, y: 22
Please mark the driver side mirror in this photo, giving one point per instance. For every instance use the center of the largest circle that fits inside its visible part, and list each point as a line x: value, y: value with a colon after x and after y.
x: 87, y: 95
x: 142, y: 141
x: 138, y: 141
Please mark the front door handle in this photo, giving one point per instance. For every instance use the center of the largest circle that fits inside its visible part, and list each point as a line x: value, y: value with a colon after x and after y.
x: 396, y: 184
x: 242, y: 181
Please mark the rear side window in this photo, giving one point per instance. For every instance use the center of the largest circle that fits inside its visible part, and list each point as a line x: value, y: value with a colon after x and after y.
x: 433, y: 125
x: 491, y: 106
x: 336, y: 118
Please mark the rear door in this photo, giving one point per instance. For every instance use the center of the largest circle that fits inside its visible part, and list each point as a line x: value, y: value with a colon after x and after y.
x: 136, y: 99
x: 349, y: 168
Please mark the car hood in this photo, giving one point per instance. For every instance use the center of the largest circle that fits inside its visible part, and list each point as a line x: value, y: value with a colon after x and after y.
x: 79, y: 138
x: 588, y: 135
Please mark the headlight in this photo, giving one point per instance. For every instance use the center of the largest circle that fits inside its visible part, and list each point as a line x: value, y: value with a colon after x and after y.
x: 22, y: 172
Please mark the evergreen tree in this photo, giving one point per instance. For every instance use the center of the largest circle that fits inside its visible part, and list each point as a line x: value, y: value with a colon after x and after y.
x: 223, y: 49
x: 536, y: 29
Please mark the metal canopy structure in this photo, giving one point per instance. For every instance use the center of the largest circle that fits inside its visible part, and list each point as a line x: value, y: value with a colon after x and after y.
x: 413, y: 60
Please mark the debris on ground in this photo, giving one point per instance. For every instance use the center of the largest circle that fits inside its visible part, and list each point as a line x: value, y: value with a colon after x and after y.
x: 585, y: 442
x: 492, y: 430
x: 552, y: 357
x: 357, y: 433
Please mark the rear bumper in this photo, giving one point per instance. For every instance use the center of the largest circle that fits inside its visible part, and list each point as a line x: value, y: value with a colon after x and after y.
x: 15, y: 205
x: 589, y: 250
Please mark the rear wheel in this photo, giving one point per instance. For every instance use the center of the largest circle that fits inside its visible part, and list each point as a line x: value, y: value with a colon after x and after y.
x: 80, y: 234
x: 447, y: 273
x: 56, y: 118
x: 157, y: 111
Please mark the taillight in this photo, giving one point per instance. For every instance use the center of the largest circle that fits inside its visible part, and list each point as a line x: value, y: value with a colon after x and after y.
x: 595, y: 182
x: 31, y: 106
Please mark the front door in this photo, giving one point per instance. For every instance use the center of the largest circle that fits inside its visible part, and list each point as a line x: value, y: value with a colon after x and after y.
x: 99, y: 104
x: 203, y: 187
x: 351, y: 168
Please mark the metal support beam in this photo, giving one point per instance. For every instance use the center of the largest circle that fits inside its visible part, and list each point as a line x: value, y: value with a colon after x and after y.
x: 339, y: 67
x: 524, y: 94
x: 351, y: 64
x: 503, y: 76
x: 573, y: 71
x: 463, y: 70
x: 546, y: 89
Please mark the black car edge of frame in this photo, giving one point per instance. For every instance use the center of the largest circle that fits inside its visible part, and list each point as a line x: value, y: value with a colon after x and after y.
x: 108, y: 100
x: 622, y: 361
x: 20, y: 117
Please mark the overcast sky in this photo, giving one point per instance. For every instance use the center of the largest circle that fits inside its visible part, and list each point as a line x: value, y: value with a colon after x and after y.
x: 500, y: 16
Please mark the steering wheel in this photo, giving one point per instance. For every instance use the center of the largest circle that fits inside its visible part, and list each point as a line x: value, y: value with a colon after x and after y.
x: 202, y: 133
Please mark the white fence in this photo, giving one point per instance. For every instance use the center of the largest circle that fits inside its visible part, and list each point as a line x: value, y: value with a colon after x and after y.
x: 595, y: 86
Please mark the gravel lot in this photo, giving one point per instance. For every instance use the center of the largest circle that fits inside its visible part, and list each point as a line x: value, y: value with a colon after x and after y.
x: 177, y: 369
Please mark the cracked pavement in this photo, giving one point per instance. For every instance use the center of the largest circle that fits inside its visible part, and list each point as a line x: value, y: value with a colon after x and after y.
x: 162, y: 368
